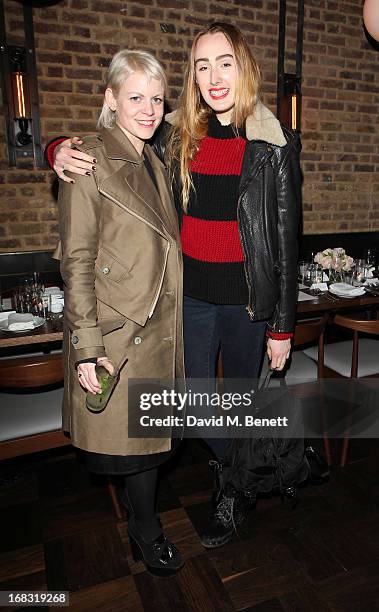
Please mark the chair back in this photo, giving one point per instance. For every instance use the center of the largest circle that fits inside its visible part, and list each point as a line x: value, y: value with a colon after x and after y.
x: 307, y: 331
x: 355, y: 322
x: 30, y: 408
x: 31, y: 371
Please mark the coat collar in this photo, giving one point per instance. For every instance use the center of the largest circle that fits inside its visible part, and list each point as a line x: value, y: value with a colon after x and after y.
x: 260, y: 125
x: 118, y: 146
x: 130, y: 185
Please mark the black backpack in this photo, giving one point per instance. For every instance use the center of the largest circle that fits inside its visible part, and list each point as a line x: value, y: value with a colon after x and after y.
x: 272, y: 464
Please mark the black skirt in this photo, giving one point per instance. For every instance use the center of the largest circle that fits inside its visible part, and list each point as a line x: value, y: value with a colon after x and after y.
x: 118, y: 465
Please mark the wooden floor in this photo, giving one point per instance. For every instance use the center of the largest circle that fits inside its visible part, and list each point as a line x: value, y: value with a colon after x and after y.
x: 59, y: 532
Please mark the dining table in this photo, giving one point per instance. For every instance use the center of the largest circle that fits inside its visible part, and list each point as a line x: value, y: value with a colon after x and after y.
x: 315, y: 305
x: 327, y: 302
x: 45, y: 334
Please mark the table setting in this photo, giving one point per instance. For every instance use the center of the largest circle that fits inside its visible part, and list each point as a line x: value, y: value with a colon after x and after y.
x: 30, y: 305
x: 334, y: 275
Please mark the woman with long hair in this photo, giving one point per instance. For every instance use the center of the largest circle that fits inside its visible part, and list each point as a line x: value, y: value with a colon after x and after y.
x: 236, y: 181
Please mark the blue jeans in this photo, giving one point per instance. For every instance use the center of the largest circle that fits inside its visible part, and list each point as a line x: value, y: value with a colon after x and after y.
x: 209, y: 328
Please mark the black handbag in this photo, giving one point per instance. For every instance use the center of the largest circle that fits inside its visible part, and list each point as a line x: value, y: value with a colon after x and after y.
x: 270, y: 463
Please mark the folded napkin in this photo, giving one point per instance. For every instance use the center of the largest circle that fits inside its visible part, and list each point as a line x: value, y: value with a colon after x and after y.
x: 22, y: 326
x: 345, y: 289
x: 302, y: 297
x: 20, y: 321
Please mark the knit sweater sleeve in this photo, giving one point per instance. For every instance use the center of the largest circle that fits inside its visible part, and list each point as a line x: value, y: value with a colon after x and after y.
x: 279, y: 335
x: 50, y: 148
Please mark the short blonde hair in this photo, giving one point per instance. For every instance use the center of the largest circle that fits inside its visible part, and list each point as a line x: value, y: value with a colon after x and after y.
x: 123, y: 64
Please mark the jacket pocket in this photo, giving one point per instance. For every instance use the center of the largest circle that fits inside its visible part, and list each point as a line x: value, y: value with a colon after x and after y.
x: 107, y: 266
x: 108, y: 319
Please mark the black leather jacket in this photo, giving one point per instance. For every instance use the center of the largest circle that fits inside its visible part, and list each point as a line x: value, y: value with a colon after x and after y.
x: 268, y: 217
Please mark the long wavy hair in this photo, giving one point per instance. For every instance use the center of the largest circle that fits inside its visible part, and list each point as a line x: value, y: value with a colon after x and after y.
x: 191, y: 123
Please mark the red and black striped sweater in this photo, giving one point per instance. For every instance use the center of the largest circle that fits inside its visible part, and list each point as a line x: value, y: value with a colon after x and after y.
x: 212, y: 251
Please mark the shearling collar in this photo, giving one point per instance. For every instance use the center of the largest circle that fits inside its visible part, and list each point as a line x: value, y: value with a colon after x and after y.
x: 260, y: 125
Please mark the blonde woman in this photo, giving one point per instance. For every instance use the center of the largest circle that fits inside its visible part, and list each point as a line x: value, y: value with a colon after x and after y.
x: 236, y: 179
x: 123, y: 292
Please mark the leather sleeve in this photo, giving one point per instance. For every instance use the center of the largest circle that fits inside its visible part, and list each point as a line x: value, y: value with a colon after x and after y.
x: 160, y: 140
x: 288, y: 187
x: 79, y: 215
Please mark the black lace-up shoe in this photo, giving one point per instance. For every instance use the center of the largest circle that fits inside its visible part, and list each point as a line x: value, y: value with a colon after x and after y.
x: 160, y: 556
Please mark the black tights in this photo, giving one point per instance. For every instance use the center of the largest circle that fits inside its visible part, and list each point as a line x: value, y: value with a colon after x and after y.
x: 140, y: 490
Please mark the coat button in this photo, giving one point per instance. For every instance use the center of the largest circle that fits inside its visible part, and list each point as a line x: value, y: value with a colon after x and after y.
x: 269, y: 148
x: 74, y: 339
x: 105, y: 270
x: 137, y: 340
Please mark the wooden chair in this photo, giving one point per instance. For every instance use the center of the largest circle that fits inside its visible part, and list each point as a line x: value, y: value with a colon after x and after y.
x: 356, y: 358
x: 31, y: 371
x: 31, y: 421
x: 309, y: 331
x: 301, y: 367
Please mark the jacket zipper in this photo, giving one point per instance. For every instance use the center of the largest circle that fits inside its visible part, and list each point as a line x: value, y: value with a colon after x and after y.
x: 249, y: 306
x: 156, y: 297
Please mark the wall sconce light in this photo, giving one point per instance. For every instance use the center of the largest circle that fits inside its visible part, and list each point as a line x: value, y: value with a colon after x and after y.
x: 20, y: 94
x: 289, y: 111
x: 288, y: 84
x: 21, y: 102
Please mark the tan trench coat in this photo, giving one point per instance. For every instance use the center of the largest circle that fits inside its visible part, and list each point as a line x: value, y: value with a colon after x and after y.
x: 122, y: 269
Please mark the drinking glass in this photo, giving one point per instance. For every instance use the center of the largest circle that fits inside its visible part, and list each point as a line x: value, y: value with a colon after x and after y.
x: 370, y: 256
x: 360, y: 271
x: 317, y: 274
x: 348, y: 276
x: 302, y: 270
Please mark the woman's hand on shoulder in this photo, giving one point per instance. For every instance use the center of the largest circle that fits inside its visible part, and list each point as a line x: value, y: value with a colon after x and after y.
x: 68, y: 158
x: 278, y: 352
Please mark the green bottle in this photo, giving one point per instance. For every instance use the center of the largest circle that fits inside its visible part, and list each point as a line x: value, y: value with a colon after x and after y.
x: 107, y: 381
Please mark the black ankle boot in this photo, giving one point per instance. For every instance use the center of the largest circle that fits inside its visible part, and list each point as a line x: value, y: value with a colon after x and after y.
x: 160, y: 556
x: 220, y: 527
x: 230, y: 509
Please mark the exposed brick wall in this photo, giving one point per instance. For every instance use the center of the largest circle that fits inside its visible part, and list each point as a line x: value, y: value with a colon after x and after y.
x: 76, y: 38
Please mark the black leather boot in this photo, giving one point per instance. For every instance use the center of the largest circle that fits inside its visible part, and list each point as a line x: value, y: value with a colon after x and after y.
x: 230, y: 509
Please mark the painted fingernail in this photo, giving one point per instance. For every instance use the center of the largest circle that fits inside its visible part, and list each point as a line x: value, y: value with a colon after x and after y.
x: 94, y: 168
x: 72, y: 182
x: 94, y: 161
x: 88, y: 173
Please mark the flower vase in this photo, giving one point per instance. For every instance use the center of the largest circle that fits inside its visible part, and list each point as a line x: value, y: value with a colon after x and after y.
x: 335, y: 276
